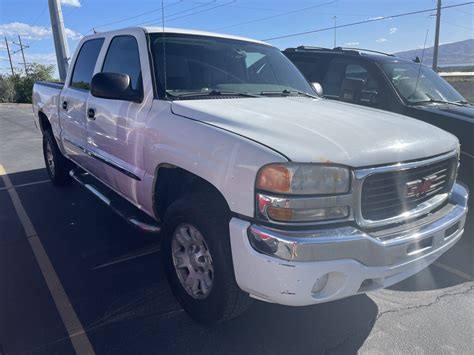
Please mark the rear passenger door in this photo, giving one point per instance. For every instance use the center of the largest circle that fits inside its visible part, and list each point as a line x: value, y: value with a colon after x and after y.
x: 73, y: 101
x: 115, y: 131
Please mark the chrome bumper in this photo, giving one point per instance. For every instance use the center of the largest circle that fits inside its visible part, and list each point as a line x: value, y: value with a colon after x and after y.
x: 392, y: 246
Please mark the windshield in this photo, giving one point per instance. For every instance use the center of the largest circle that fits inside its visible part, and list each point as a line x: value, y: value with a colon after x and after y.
x: 201, y: 64
x: 429, y: 86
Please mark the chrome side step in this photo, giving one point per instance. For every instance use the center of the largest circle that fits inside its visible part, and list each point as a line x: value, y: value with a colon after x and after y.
x: 119, y: 205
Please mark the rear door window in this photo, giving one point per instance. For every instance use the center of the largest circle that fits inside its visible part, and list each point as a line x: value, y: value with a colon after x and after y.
x: 85, y: 64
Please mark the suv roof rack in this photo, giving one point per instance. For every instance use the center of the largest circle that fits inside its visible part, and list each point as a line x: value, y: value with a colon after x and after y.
x: 348, y: 50
x: 308, y: 48
x: 363, y: 50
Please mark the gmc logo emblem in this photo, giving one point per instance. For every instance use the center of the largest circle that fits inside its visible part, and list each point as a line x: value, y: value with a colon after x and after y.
x: 421, y: 187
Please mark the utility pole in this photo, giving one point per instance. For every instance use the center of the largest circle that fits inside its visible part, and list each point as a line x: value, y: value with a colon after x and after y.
x: 9, y: 56
x: 436, y: 44
x: 59, y: 36
x: 335, y: 30
x: 22, y: 47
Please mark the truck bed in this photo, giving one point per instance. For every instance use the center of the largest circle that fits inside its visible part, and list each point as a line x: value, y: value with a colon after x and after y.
x: 46, y: 100
x: 51, y: 84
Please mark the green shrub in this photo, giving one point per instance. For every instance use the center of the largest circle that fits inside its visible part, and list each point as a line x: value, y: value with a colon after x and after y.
x: 18, y: 88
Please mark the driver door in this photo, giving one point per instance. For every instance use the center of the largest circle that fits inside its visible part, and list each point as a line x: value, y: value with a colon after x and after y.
x: 115, y: 127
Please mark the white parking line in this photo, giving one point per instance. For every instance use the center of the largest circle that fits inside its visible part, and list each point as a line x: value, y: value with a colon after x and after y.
x: 73, y: 325
x: 129, y: 257
x: 454, y: 271
x: 27, y: 184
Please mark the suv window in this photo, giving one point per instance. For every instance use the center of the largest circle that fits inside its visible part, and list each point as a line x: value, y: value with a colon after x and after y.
x: 312, y: 67
x: 351, y: 82
x: 123, y: 57
x: 85, y: 63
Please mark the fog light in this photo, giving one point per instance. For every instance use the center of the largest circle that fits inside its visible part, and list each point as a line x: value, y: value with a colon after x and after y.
x: 320, y: 284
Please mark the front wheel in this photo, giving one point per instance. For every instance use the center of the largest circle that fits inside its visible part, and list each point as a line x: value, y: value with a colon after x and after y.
x: 57, y: 165
x: 198, y: 260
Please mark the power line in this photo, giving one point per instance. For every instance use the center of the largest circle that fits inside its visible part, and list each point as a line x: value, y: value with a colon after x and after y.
x: 456, y: 25
x: 376, y: 19
x: 40, y: 15
x: 136, y: 16
x: 176, y: 13
x: 202, y: 11
x: 464, y: 12
x: 275, y: 16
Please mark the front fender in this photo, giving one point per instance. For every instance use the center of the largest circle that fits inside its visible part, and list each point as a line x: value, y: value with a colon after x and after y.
x: 227, y: 161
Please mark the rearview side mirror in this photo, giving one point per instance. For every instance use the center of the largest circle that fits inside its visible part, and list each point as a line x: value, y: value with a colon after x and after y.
x: 318, y: 88
x: 114, y: 86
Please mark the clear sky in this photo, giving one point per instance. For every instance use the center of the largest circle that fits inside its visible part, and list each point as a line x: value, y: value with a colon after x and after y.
x: 261, y: 19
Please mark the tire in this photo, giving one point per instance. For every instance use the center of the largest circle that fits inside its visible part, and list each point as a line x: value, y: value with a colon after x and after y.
x: 224, y: 299
x: 57, y: 165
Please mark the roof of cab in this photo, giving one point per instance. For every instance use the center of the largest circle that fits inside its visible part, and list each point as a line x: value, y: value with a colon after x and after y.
x: 200, y: 33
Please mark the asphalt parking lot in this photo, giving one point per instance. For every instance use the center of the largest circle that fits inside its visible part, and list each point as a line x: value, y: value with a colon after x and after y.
x: 112, y: 288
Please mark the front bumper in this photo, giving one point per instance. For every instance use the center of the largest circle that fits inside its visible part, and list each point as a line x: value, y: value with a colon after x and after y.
x: 308, y: 267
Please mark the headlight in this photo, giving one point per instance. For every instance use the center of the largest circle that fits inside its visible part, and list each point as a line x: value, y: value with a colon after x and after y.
x: 303, y: 179
x: 301, y: 193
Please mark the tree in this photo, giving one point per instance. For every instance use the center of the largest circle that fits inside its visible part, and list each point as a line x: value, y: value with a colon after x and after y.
x: 7, y: 89
x: 18, y: 88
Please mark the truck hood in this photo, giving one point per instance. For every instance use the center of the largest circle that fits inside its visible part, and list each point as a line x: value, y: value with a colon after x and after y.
x: 317, y: 130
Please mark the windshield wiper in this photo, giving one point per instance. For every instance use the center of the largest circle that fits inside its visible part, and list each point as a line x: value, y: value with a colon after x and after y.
x: 288, y: 93
x: 455, y: 103
x: 212, y: 93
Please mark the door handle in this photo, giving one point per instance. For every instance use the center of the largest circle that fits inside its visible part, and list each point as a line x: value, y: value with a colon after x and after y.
x: 64, y: 105
x: 91, y: 114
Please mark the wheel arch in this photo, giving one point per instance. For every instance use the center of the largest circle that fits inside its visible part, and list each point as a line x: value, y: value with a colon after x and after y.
x: 172, y: 182
x: 44, y: 123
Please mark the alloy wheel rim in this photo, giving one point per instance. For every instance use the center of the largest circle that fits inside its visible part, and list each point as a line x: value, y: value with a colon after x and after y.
x: 50, y: 159
x: 192, y: 261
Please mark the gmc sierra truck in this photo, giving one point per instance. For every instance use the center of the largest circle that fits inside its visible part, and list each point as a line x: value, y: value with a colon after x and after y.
x: 257, y: 187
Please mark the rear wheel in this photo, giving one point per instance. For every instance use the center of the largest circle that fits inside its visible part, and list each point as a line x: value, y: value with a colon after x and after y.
x: 198, y: 259
x: 57, y: 165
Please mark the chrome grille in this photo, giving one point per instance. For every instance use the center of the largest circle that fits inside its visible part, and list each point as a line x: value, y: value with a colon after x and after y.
x: 389, y: 194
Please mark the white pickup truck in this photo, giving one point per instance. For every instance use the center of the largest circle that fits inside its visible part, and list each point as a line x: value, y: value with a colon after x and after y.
x: 257, y: 187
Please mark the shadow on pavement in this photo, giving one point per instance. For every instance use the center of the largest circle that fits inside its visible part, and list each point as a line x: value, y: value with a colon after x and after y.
x: 127, y: 307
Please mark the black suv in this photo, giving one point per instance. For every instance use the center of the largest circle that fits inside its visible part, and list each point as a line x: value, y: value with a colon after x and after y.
x: 389, y: 83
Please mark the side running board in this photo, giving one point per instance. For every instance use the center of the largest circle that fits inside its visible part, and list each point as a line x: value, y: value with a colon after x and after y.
x: 118, y: 204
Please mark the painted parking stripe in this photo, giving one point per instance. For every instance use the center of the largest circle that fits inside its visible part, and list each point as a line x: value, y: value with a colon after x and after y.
x: 454, y: 271
x: 24, y: 185
x: 136, y: 255
x: 73, y: 325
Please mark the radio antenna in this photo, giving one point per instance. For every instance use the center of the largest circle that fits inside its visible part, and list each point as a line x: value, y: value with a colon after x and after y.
x: 164, y: 46
x: 421, y: 62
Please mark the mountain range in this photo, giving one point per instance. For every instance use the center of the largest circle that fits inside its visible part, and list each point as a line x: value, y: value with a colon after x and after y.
x: 450, y: 54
